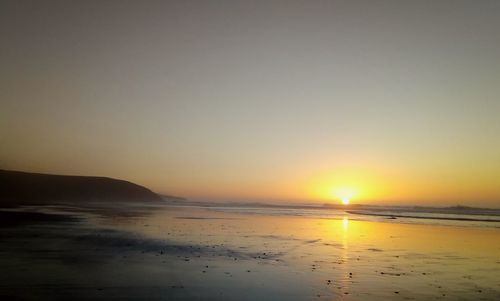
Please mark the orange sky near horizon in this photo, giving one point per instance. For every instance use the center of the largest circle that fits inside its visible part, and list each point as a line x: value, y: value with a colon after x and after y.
x: 362, y: 186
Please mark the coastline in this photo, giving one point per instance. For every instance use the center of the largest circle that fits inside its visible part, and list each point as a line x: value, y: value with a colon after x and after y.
x: 428, y: 217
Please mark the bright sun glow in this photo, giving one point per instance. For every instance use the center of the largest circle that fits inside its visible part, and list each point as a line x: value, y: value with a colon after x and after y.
x: 344, y: 194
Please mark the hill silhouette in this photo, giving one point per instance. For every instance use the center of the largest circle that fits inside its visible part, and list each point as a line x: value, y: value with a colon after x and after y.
x: 24, y: 188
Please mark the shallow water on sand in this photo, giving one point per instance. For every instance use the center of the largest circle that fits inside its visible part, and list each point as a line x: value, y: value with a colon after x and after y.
x: 193, y: 253
x: 297, y: 257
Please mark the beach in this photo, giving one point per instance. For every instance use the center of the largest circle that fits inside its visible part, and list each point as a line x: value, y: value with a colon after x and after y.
x: 222, y: 253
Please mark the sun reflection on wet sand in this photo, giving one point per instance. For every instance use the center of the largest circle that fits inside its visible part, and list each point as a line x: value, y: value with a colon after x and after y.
x: 341, y: 257
x: 347, y: 276
x: 345, y: 223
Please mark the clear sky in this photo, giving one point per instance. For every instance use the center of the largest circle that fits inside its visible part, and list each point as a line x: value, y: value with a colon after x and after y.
x: 378, y: 101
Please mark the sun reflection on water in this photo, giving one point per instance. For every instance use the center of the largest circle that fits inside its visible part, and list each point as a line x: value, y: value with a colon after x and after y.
x: 345, y: 223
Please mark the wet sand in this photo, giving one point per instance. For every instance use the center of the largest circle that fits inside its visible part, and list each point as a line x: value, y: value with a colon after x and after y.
x: 189, y: 253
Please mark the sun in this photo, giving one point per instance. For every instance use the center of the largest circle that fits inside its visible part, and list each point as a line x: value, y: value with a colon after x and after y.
x: 344, y: 194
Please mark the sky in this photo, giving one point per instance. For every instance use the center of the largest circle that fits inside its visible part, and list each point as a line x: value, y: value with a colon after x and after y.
x: 381, y: 102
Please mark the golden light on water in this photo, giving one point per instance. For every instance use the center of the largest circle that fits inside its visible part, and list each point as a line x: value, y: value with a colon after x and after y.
x: 345, y: 223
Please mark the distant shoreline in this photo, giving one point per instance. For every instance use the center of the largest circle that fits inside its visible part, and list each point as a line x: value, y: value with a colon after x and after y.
x: 423, y: 217
x: 465, y: 210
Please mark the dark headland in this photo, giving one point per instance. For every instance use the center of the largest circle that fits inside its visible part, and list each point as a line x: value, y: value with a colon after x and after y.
x: 23, y: 188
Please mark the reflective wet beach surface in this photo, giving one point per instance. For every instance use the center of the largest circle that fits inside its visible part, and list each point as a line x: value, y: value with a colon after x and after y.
x: 192, y: 253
